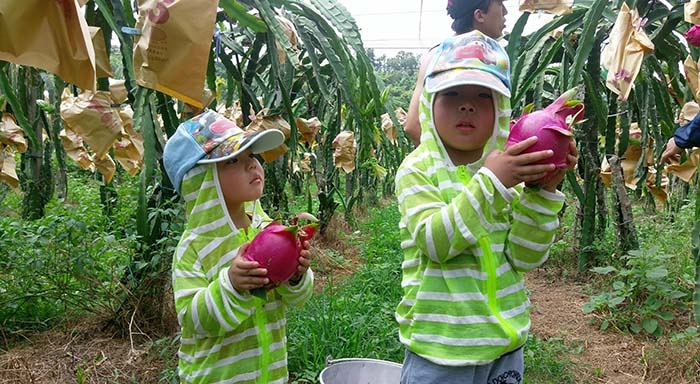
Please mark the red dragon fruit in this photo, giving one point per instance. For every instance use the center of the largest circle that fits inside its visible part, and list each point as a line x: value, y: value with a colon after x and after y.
x: 277, y: 247
x: 693, y: 36
x: 551, y: 128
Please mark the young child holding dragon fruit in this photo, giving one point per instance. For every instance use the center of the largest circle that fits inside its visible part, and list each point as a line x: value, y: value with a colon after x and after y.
x: 469, y: 227
x: 228, y: 334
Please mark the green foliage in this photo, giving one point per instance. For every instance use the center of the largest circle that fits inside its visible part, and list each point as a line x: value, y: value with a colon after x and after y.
x: 643, y: 294
x: 547, y: 362
x: 67, y: 262
x: 398, y: 74
x: 356, y: 317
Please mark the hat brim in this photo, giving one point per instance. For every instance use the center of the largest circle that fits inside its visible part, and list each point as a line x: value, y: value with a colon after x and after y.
x: 458, y: 76
x: 258, y: 142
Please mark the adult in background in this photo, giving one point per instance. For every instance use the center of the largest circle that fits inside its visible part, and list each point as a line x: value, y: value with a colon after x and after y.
x: 686, y: 136
x: 486, y: 16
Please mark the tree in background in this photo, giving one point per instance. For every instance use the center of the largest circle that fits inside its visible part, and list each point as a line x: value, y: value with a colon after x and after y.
x: 398, y: 73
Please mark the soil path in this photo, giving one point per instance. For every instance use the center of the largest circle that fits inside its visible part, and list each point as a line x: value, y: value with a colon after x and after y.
x: 606, y: 357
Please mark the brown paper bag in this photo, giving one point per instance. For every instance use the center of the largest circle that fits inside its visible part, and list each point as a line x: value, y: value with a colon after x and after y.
x: 106, y: 167
x: 291, y: 32
x: 51, y: 35
x: 261, y: 123
x: 622, y: 57
x: 688, y: 112
x: 172, y: 52
x: 690, y: 67
x: 75, y: 149
x: 555, y: 7
x: 687, y: 169
x: 92, y: 116
x: 102, y: 66
x: 691, y: 12
x: 308, y: 128
x: 8, y: 167
x: 11, y: 134
x: 344, y: 146
x: 117, y: 90
x: 128, y: 149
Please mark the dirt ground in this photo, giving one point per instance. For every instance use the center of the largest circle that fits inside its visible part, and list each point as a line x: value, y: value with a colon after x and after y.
x: 605, y: 357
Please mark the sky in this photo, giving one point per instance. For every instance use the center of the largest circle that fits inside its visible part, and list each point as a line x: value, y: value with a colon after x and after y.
x: 390, y: 26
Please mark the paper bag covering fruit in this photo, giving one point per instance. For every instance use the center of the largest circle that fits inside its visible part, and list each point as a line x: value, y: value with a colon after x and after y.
x: 11, y: 134
x: 291, y: 33
x: 344, y: 148
x: 73, y: 145
x: 51, y: 35
x: 117, y: 90
x: 629, y: 163
x: 11, y: 139
x: 261, y: 122
x: 308, y: 128
x: 622, y: 57
x: 172, y: 52
x: 128, y: 149
x: 8, y: 167
x: 690, y: 67
x: 102, y: 66
x: 687, y: 113
x: 92, y: 116
x: 555, y: 7
x: 388, y: 127
x: 93, y: 119
x: 691, y: 11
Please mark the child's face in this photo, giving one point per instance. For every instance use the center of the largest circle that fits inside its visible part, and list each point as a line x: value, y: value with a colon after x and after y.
x: 494, y: 19
x: 241, y: 178
x: 464, y: 117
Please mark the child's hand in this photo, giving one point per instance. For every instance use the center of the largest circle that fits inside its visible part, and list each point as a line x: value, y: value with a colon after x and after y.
x: 513, y: 167
x: 305, y: 257
x: 571, y: 160
x: 245, y: 274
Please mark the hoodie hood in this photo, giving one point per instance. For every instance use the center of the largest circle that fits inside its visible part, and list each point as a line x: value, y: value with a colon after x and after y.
x: 207, y: 214
x: 454, y: 62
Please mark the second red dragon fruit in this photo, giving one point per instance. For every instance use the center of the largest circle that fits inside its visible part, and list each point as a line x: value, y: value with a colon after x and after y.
x: 551, y: 128
x: 277, y: 247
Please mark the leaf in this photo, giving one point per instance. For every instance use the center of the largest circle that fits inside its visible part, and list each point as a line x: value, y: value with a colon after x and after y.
x: 588, y: 307
x: 515, y: 35
x: 586, y: 40
x: 635, y: 328
x: 615, y: 301
x: 240, y: 13
x: 650, y: 325
x: 657, y: 273
x: 268, y: 14
x: 668, y: 316
x: 604, y: 270
x: 543, y: 60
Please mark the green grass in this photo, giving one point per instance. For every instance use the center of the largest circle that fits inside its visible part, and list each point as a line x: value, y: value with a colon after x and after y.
x: 356, y: 317
x: 547, y: 361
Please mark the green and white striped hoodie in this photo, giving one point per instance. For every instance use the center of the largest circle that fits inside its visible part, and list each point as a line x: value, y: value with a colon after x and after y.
x: 227, y: 336
x: 466, y: 240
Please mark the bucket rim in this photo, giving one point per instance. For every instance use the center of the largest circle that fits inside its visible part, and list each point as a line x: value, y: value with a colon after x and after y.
x: 329, y: 363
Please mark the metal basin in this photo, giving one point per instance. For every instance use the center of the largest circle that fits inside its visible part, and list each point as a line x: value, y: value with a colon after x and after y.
x: 361, y: 371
